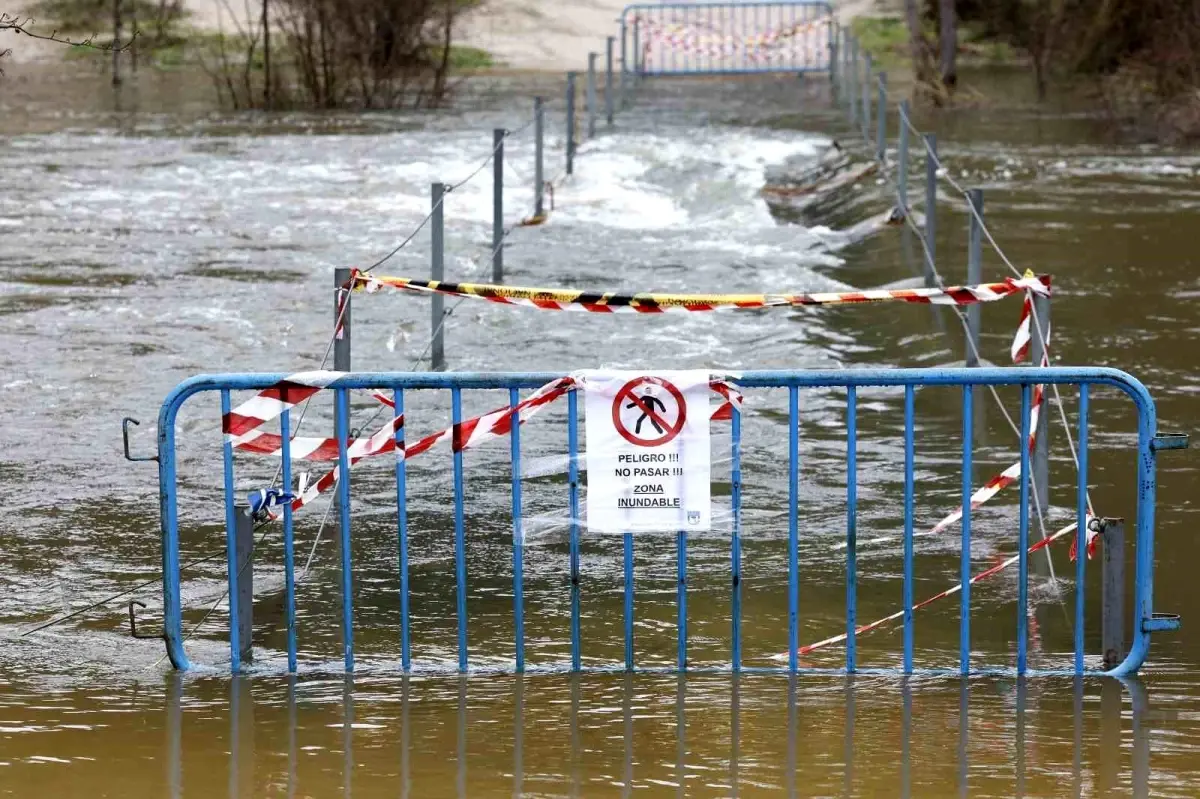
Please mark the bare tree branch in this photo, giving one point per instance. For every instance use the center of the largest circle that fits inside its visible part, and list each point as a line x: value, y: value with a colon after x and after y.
x: 18, y: 25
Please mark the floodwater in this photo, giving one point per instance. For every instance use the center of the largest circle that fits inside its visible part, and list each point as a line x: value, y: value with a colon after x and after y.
x: 147, y: 239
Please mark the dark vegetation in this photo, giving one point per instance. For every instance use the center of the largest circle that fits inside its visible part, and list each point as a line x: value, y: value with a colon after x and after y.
x: 1142, y: 56
x: 279, y: 54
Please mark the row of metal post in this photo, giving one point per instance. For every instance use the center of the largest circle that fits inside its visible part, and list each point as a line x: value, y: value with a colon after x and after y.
x: 851, y: 72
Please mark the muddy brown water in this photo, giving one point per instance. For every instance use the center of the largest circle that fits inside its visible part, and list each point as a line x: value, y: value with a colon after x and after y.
x: 148, y: 238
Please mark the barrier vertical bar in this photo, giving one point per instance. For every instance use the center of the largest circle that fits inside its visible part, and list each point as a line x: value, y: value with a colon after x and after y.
x: 851, y: 527
x: 681, y: 599
x: 518, y: 542
x: 609, y: 94
x: 591, y: 95
x: 245, y: 578
x: 438, y: 272
x: 793, y: 527
x: 974, y: 272
x: 931, y: 179
x: 460, y: 543
x: 1112, y: 619
x: 342, y: 416
x: 627, y: 544
x: 902, y: 156
x: 881, y: 121
x: 570, y: 123
x: 909, y: 481
x: 231, y: 564
x: 289, y: 562
x: 1039, y: 352
x: 539, y: 152
x: 1081, y: 522
x: 964, y: 595
x: 735, y: 544
x: 498, y: 136
x: 573, y: 503
x: 402, y: 530
x: 1023, y: 542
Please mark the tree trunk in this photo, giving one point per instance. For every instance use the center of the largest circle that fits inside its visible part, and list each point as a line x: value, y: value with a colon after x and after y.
x: 948, y: 37
x: 266, y: 26
x: 116, y: 43
x: 918, y: 45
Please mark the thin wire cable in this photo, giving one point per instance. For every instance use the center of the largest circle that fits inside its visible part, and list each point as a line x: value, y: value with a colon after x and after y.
x: 943, y: 172
x: 450, y: 188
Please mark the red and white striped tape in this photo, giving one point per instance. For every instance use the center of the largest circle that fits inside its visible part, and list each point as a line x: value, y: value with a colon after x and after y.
x: 546, y: 299
x: 271, y: 402
x: 983, y: 575
x: 708, y: 40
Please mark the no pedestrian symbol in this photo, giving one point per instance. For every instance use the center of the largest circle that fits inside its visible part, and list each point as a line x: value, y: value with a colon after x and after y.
x: 649, y: 411
x: 648, y: 460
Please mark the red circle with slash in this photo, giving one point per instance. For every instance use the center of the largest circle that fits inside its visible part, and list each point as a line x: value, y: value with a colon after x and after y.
x: 647, y: 409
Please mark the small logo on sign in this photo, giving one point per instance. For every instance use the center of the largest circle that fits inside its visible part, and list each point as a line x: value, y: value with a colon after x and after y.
x: 693, y: 517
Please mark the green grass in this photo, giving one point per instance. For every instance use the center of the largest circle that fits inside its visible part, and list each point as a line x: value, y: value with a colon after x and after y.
x: 463, y: 58
x: 886, y: 40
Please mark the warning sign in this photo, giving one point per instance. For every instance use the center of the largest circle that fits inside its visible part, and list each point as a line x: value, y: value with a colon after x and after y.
x: 648, y: 459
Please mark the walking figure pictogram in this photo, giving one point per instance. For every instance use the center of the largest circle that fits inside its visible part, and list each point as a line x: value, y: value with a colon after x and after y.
x: 648, y: 405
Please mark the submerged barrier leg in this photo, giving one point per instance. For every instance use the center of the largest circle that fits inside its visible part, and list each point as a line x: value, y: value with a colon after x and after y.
x: 964, y: 614
x: 851, y: 528
x: 681, y: 599
x: 974, y: 274
x: 460, y: 541
x: 518, y: 538
x: 570, y: 123
x: 1112, y: 626
x: 931, y: 179
x: 438, y: 272
x: 591, y: 95
x: 539, y: 169
x: 1081, y: 510
x: 231, y: 546
x: 342, y: 423
x: 498, y: 205
x: 609, y: 93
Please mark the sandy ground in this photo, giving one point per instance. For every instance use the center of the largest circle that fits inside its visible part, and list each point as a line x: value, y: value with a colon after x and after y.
x: 521, y: 34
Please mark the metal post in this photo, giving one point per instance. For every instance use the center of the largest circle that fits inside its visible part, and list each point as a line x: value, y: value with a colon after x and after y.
x: 974, y: 273
x: 244, y: 537
x: 539, y: 177
x: 498, y: 205
x: 853, y: 72
x: 866, y: 99
x: 437, y: 272
x: 591, y: 95
x: 1041, y: 452
x: 931, y: 179
x: 609, y: 94
x: 881, y: 118
x: 1112, y: 624
x: 341, y: 320
x: 902, y: 157
x: 637, y: 51
x: 835, y: 32
x: 570, y: 123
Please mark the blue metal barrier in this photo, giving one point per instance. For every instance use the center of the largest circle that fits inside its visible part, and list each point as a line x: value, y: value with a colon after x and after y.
x: 727, y: 38
x: 1084, y: 379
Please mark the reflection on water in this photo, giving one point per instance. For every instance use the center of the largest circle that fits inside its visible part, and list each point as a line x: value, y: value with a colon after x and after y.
x: 976, y: 738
